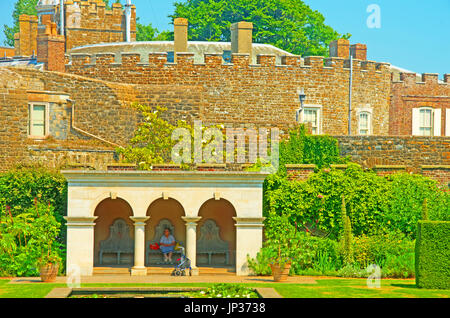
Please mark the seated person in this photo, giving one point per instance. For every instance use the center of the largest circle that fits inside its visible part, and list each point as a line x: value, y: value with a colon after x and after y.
x: 167, y: 245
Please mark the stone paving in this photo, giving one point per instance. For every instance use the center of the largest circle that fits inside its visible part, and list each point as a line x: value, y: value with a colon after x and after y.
x: 167, y: 279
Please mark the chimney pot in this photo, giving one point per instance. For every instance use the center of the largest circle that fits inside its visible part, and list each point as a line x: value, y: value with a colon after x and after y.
x: 242, y: 37
x: 340, y: 48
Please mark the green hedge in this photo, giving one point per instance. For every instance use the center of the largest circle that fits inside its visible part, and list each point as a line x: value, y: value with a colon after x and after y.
x: 433, y: 254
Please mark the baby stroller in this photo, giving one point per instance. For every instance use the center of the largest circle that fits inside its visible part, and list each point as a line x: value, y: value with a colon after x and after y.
x: 183, y: 265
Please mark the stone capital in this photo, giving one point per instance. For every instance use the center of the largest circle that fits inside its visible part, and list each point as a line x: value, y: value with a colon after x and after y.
x: 249, y: 222
x: 80, y: 221
x: 139, y: 220
x: 191, y: 220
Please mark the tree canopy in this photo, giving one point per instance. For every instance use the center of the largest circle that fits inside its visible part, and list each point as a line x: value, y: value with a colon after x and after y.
x: 287, y: 24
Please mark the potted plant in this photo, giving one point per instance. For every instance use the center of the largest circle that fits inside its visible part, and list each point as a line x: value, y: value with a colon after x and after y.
x: 281, y: 241
x: 46, y: 229
x: 49, y: 267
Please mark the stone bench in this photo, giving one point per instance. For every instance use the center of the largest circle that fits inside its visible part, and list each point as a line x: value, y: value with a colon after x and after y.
x: 119, y: 241
x: 159, y: 232
x: 210, y: 242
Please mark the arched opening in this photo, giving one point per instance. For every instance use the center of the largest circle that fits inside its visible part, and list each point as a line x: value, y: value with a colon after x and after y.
x: 113, y: 234
x: 163, y: 214
x: 216, y: 234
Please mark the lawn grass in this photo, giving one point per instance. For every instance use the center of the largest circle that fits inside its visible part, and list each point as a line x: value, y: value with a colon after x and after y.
x: 325, y: 288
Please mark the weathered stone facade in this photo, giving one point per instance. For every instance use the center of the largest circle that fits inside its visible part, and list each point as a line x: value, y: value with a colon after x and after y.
x: 409, y: 151
x: 262, y: 94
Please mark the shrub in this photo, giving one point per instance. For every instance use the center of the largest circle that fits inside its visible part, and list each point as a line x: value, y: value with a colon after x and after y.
x: 320, y: 255
x: 21, y: 187
x: 433, y: 254
x: 301, y: 147
x: 406, y: 202
x: 28, y: 240
x: 392, y: 251
x: 318, y: 201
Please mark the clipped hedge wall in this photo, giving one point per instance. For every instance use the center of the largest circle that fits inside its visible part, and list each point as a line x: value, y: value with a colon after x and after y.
x: 433, y: 255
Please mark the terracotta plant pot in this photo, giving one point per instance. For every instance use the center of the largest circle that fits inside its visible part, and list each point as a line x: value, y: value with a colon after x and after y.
x: 49, y: 272
x: 280, y: 274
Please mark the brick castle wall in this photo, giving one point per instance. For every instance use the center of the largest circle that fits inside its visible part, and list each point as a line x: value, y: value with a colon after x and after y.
x: 263, y: 94
x: 408, y: 94
x: 412, y: 152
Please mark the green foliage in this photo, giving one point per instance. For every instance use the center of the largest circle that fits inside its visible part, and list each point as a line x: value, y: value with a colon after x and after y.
x: 425, y: 210
x: 433, y: 254
x: 301, y: 148
x: 282, y: 240
x: 150, y: 33
x: 375, y: 204
x: 406, y: 202
x: 223, y: 290
x: 29, y: 240
x: 290, y: 25
x: 154, y: 141
x: 21, y: 187
x: 318, y: 201
x: 306, y: 252
x: 347, y: 234
x: 20, y: 7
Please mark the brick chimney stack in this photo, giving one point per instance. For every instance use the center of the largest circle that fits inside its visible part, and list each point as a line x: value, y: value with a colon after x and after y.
x: 180, y: 35
x: 242, y: 37
x: 25, y: 41
x: 340, y: 48
x: 51, y: 48
x: 359, y: 51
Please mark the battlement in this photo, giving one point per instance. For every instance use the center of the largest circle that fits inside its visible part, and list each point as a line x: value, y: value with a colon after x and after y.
x: 89, y: 22
x: 216, y: 60
x: 427, y: 78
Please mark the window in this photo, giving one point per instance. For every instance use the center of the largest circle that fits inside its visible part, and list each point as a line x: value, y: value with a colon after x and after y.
x: 425, y: 122
x: 38, y: 120
x: 364, y: 121
x: 311, y: 115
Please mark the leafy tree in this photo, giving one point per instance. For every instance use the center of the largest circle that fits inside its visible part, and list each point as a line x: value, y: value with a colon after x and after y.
x: 150, y: 33
x: 20, y: 7
x: 287, y: 24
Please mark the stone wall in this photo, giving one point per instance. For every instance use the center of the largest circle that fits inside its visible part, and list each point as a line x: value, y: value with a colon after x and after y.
x: 408, y: 94
x: 439, y: 173
x: 262, y: 94
x: 412, y: 152
x: 89, y: 22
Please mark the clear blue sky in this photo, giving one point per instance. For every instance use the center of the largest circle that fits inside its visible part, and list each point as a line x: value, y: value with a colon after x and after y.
x: 414, y: 34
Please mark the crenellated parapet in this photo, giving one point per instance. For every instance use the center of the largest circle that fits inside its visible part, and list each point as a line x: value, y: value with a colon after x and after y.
x: 241, y: 61
x: 264, y: 92
x: 90, y: 22
x: 412, y: 92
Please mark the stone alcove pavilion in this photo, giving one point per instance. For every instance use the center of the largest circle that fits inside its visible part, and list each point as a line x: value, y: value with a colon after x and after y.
x: 124, y: 211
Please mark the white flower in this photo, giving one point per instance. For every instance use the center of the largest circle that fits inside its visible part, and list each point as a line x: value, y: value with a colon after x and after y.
x: 248, y: 296
x: 219, y: 295
x: 202, y: 292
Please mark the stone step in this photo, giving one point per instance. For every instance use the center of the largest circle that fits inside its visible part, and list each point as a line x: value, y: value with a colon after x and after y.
x: 163, y: 270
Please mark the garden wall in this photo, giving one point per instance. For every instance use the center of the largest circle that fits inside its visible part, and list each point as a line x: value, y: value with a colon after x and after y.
x: 411, y: 152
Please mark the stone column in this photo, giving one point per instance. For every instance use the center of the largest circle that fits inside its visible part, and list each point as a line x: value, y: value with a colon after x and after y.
x: 139, y: 268
x: 80, y: 245
x: 191, y: 241
x: 249, y: 237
